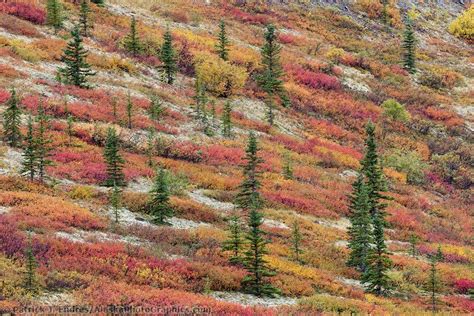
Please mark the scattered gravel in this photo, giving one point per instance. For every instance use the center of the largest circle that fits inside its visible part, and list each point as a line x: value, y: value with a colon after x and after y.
x: 348, y: 174
x: 343, y: 223
x: 4, y: 210
x: 11, y: 161
x: 180, y: 223
x: 274, y: 224
x: 82, y: 236
x: 252, y: 300
x: 350, y: 282
x: 341, y: 243
x: 56, y: 299
x: 199, y: 197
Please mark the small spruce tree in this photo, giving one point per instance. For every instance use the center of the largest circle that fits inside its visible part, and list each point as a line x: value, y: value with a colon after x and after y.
x: 30, y: 283
x: 248, y: 191
x: 227, y: 120
x: 29, y: 164
x: 84, y: 21
x: 270, y: 79
x: 433, y: 283
x: 222, y: 46
x: 360, y: 238
x: 168, y: 57
x: 76, y: 68
x: 287, y: 169
x: 413, y: 240
x: 296, y: 239
x: 12, y: 121
x: 409, y: 46
x: 132, y: 42
x: 114, y: 160
x: 256, y: 281
x: 150, y: 147
x: 159, y: 206
x: 129, y: 111
x: 156, y: 109
x: 54, y: 14
x: 235, y: 242
x: 43, y: 147
x: 70, y: 129
x: 115, y: 197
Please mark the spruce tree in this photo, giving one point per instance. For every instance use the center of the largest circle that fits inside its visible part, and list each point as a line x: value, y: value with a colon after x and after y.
x: 12, y: 121
x: 84, y: 21
x: 150, y: 150
x: 287, y: 167
x: 129, y: 111
x: 296, y: 238
x: 227, y: 120
x: 100, y: 3
x: 43, y: 148
x: 375, y: 276
x: 256, y: 281
x: 235, y: 242
x: 114, y: 160
x: 360, y: 237
x: 132, y: 41
x: 54, y: 14
x: 156, y: 108
x: 159, y: 206
x: 29, y: 164
x: 433, y: 283
x: 378, y: 261
x: 270, y: 80
x: 115, y: 201
x: 222, y: 46
x: 248, y: 195
x: 168, y: 57
x: 413, y: 241
x: 76, y: 68
x: 30, y: 283
x: 70, y: 128
x: 409, y: 46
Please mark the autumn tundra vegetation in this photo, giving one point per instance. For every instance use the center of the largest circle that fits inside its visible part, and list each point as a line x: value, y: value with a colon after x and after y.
x: 237, y: 157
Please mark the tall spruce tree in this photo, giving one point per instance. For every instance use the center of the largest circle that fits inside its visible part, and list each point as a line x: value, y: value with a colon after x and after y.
x: 227, y: 120
x: 29, y: 163
x: 159, y: 206
x: 296, y: 239
x: 76, y: 68
x: 114, y: 160
x: 84, y: 21
x: 132, y: 41
x: 360, y: 237
x: 256, y: 281
x: 235, y: 242
x: 248, y: 195
x: 270, y: 79
x: 30, y: 282
x: 222, y: 46
x: 12, y: 121
x: 409, y: 46
x: 168, y: 57
x: 54, y: 14
x: 43, y: 148
x: 375, y: 274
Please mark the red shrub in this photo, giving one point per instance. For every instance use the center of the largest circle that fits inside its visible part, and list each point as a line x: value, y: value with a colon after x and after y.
x: 218, y: 154
x: 4, y: 95
x: 315, y: 80
x: 286, y: 38
x: 24, y: 11
x: 463, y: 285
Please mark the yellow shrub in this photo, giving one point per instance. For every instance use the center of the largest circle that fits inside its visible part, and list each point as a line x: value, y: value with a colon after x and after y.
x: 82, y: 192
x: 373, y: 8
x: 220, y: 77
x: 463, y: 25
x: 335, y: 54
x: 113, y: 63
x: 23, y: 50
